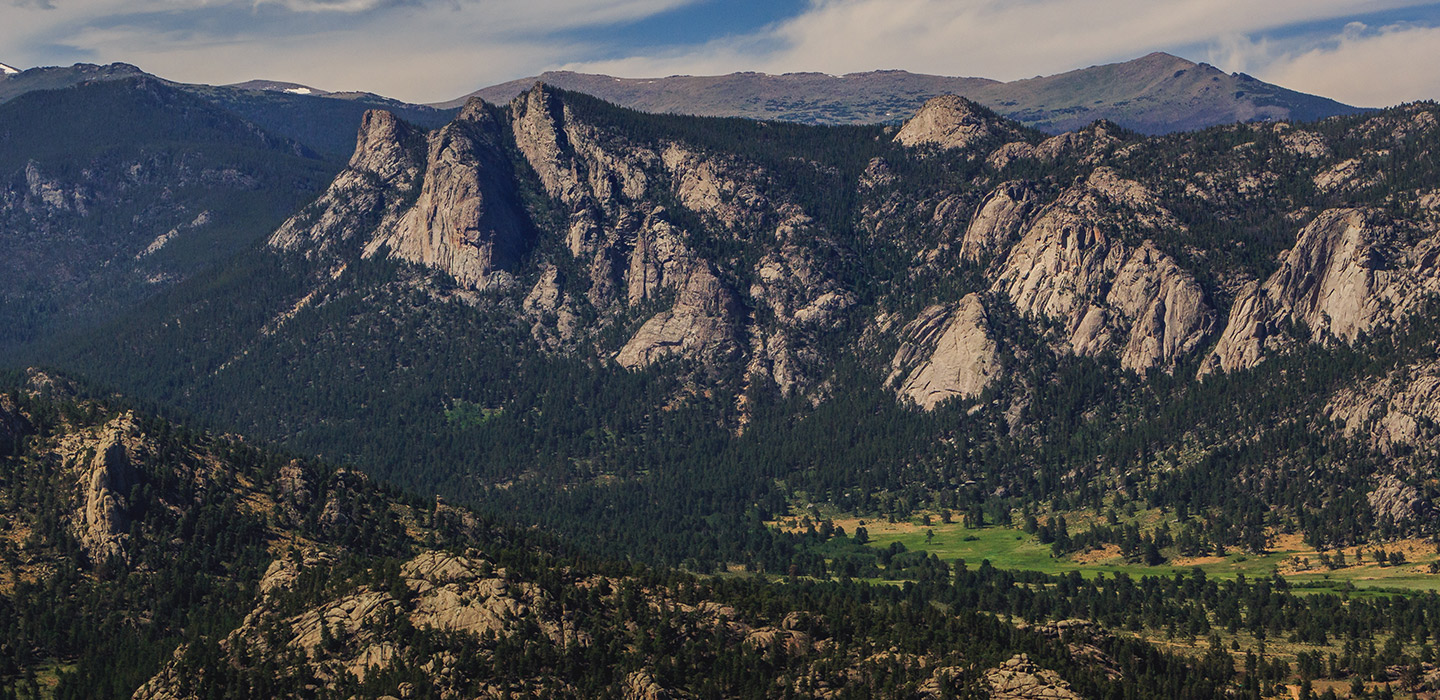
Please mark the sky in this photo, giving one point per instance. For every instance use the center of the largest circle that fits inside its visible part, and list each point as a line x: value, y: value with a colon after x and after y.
x: 1369, y: 53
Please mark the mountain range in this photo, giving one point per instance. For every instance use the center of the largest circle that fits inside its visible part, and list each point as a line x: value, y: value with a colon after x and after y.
x: 1155, y: 94
x: 562, y: 398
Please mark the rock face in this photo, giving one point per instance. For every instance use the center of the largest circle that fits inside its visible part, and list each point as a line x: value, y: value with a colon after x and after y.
x: 1348, y: 273
x: 465, y: 221
x: 1020, y: 679
x: 947, y: 352
x: 1400, y: 409
x: 1073, y: 267
x: 1396, y: 501
x: 997, y: 221
x: 953, y: 122
x: 641, y: 685
x: 699, y: 325
x: 385, y: 169
x: 105, y: 472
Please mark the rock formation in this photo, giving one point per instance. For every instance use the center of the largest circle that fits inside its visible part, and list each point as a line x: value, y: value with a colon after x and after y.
x: 1396, y: 501
x: 947, y: 352
x: 1348, y: 273
x: 1399, y: 409
x: 998, y: 220
x: 1074, y: 266
x: 1020, y: 679
x: 466, y: 222
x: 13, y: 425
x: 105, y: 472
x: 952, y: 122
x: 701, y: 324
x: 368, y: 195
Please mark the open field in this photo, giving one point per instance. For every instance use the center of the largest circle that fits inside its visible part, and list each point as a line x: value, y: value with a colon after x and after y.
x: 1012, y: 548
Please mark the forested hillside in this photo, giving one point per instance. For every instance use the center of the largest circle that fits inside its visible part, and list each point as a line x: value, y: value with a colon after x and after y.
x: 143, y: 555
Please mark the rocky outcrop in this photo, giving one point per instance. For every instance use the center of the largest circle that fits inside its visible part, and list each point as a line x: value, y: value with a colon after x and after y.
x: 702, y: 324
x: 105, y: 471
x: 790, y: 289
x: 1084, y: 640
x: 1397, y: 501
x: 465, y: 222
x: 998, y: 220
x: 1348, y: 273
x: 365, y: 197
x: 953, y: 122
x: 1302, y: 143
x: 355, y: 632
x: 1020, y: 679
x: 947, y: 352
x: 1399, y: 409
x: 553, y: 322
x: 641, y: 685
x: 1088, y: 145
x: 658, y: 259
x: 1074, y: 267
x: 1166, y: 309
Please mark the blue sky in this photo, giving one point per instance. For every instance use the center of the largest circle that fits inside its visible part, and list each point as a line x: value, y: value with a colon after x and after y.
x: 1373, y: 53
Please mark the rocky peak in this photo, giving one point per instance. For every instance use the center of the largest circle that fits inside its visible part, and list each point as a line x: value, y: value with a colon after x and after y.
x: 386, y: 167
x: 538, y: 119
x: 380, y: 145
x: 953, y: 122
x: 466, y: 221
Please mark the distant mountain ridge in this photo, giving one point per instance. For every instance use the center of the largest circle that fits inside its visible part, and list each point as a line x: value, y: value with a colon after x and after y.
x: 320, y: 119
x: 1154, y: 94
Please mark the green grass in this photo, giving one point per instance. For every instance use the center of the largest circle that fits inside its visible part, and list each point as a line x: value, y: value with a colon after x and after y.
x: 1010, y: 548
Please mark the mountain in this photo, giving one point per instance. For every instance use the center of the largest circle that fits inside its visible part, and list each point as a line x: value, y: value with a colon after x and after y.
x: 578, y: 309
x: 54, y: 77
x: 6, y: 70
x: 278, y: 86
x: 115, y: 184
x: 810, y: 98
x: 1184, y: 386
x: 1155, y: 94
x: 323, y: 121
x: 113, y: 190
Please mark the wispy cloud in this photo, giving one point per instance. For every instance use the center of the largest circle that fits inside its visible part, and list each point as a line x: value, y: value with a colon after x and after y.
x: 1360, y: 65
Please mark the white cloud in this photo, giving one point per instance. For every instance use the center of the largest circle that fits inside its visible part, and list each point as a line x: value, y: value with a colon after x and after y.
x: 419, y: 50
x: 429, y: 50
x: 1371, y: 67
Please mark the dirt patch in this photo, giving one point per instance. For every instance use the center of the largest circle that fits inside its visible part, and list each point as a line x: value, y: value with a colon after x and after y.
x: 1096, y: 556
x: 1306, y: 560
x: 1196, y: 561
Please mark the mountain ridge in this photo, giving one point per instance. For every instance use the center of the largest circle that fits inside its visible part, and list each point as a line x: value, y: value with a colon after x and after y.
x: 1154, y: 94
